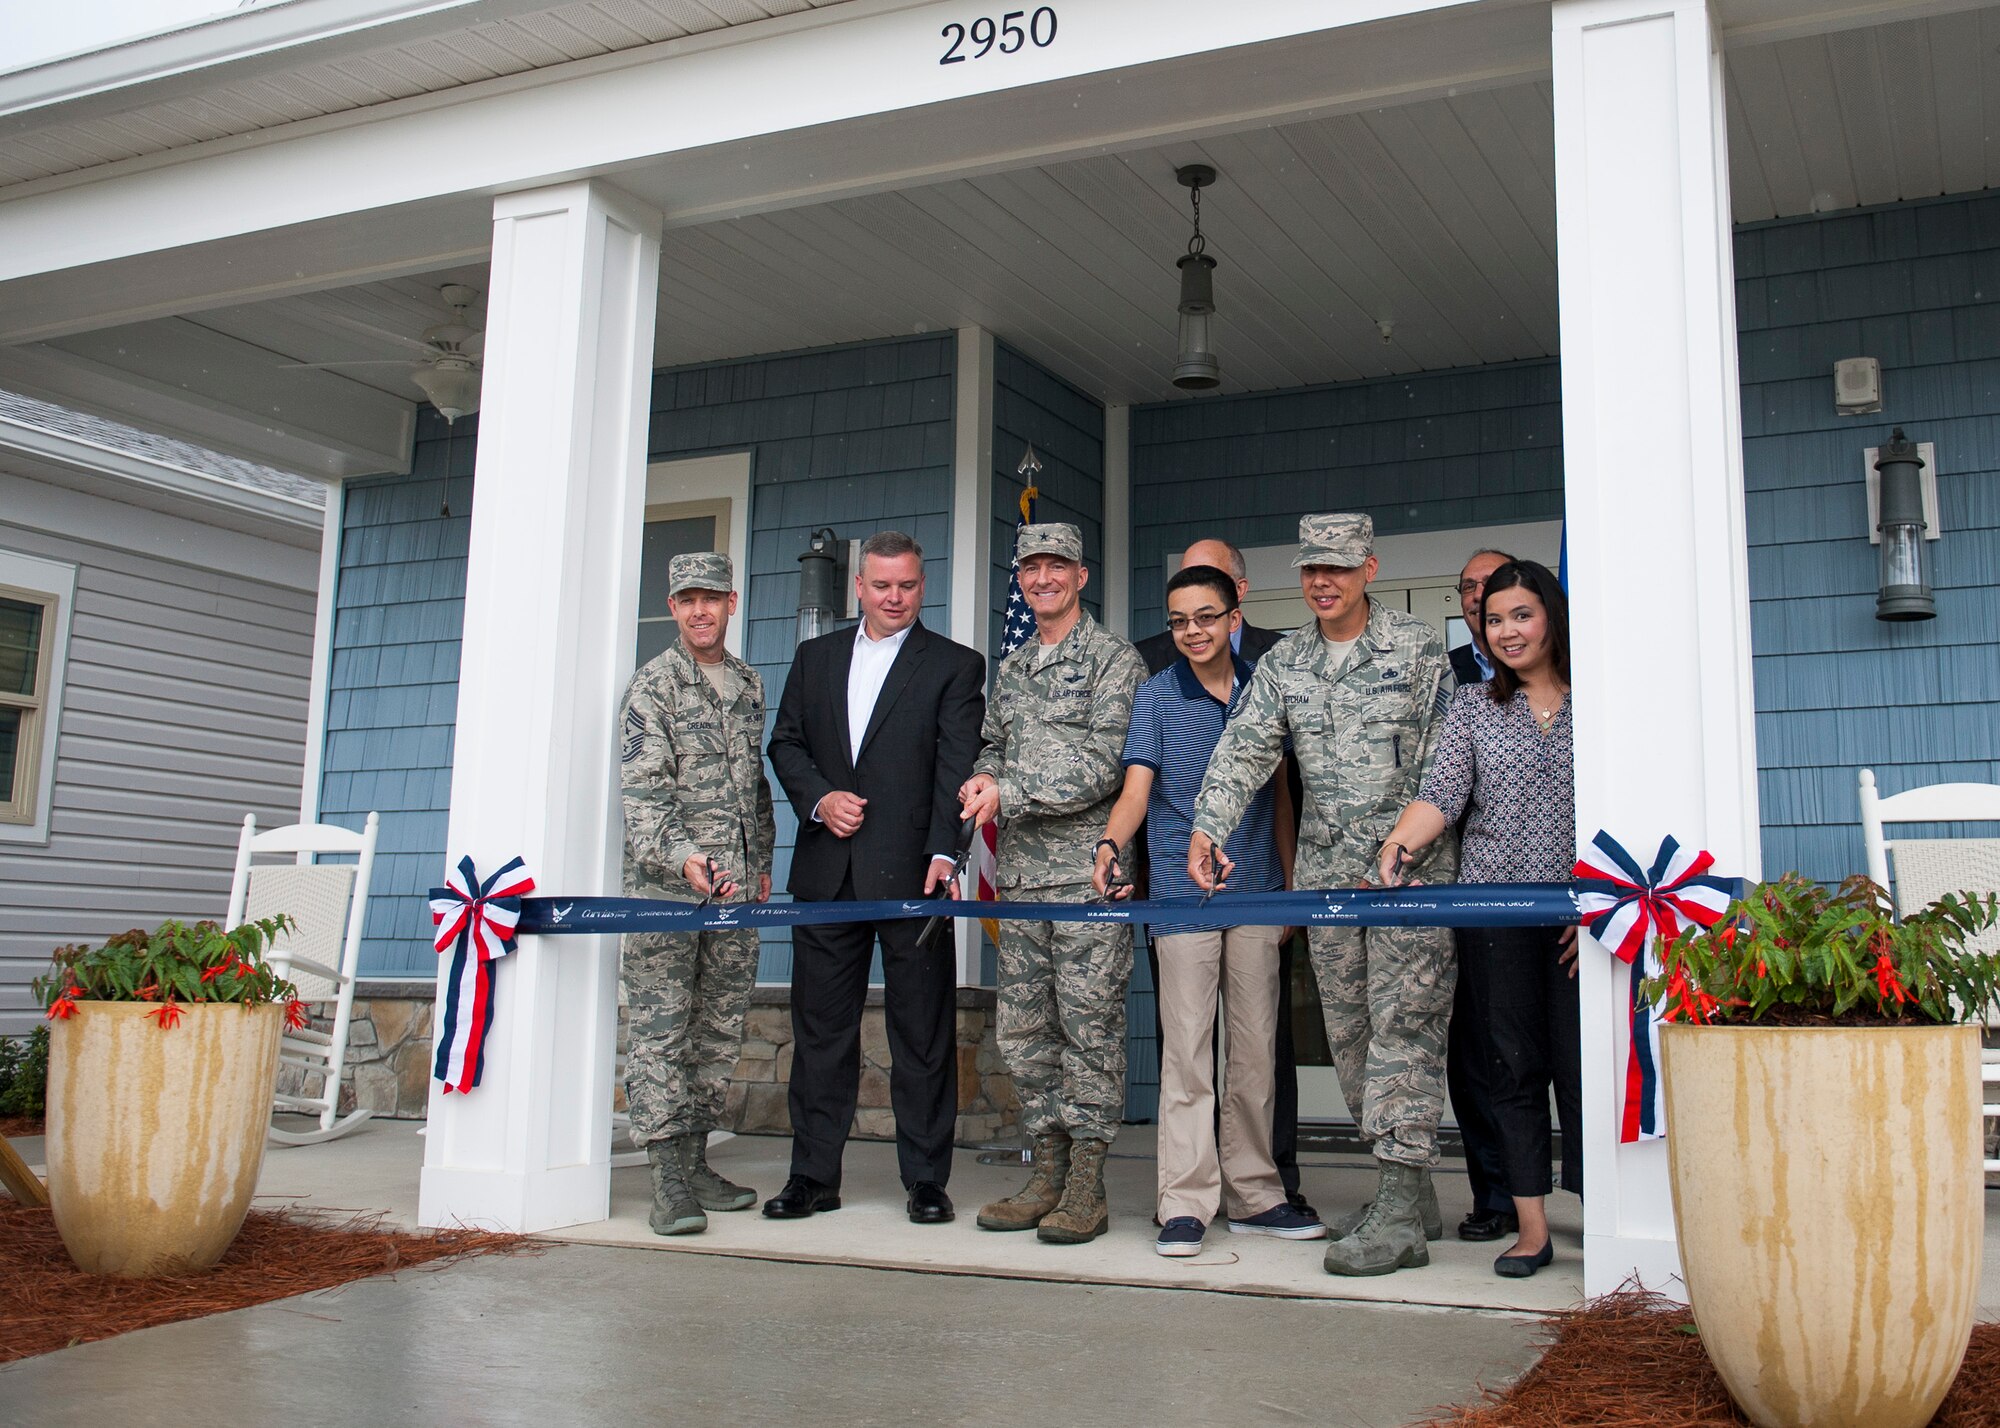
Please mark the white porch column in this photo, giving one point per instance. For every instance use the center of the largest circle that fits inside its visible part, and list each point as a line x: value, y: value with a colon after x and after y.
x: 972, y: 545
x: 1653, y: 467
x: 550, y: 603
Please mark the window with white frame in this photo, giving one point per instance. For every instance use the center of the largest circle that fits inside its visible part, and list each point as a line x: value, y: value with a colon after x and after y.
x: 35, y: 598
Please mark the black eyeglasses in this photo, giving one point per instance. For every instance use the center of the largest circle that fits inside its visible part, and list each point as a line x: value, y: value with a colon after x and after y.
x: 1471, y: 587
x: 1200, y: 619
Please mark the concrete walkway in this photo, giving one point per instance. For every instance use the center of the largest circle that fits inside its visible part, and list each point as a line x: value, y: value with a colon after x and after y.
x: 376, y: 1168
x: 582, y: 1336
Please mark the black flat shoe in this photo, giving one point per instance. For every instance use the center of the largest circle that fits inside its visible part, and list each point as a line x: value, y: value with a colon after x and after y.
x: 1483, y: 1225
x: 929, y: 1205
x: 802, y: 1196
x: 1523, y: 1266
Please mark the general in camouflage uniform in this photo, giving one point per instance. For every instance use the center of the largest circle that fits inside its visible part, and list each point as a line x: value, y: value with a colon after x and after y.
x: 1362, y: 725
x: 1050, y: 766
x: 692, y: 729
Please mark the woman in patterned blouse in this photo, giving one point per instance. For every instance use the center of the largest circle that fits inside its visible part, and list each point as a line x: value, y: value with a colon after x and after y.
x: 1504, y: 753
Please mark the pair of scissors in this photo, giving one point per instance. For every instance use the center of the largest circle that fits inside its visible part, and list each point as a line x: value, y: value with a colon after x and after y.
x: 931, y: 925
x: 1117, y: 880
x: 717, y: 877
x: 1214, y: 876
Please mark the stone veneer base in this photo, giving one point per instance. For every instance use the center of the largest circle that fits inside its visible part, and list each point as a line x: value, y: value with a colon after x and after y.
x: 389, y: 1060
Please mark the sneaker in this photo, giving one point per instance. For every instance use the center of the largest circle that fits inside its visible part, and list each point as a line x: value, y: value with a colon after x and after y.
x: 1283, y: 1221
x: 1181, y: 1237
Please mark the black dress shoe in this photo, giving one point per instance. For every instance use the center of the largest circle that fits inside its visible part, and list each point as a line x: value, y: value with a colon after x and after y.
x: 1522, y: 1266
x: 1483, y: 1225
x: 929, y: 1205
x: 1297, y: 1200
x: 802, y: 1196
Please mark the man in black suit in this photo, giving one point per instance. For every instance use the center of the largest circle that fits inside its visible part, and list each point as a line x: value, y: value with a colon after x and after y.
x: 877, y: 729
x: 1467, y: 1056
x: 1159, y: 651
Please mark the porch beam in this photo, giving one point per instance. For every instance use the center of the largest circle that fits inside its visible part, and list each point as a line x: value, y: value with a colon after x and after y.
x: 1653, y: 478
x: 552, y: 591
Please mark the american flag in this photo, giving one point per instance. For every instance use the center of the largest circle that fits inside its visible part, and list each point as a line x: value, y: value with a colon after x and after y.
x: 1017, y: 627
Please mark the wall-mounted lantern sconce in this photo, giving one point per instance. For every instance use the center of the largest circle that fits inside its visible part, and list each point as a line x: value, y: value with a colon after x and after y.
x: 822, y: 575
x: 1904, y: 498
x: 1195, y: 367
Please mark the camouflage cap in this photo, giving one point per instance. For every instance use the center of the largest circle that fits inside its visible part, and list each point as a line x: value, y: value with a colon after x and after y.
x: 1050, y: 538
x: 699, y: 570
x: 1342, y: 540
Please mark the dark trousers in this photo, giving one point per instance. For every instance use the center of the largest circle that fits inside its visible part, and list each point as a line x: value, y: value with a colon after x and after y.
x: 829, y: 990
x: 1468, y: 1069
x: 1285, y: 1073
x: 1528, y: 1003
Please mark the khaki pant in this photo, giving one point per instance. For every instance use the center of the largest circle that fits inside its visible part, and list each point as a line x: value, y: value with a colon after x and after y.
x: 1195, y: 1177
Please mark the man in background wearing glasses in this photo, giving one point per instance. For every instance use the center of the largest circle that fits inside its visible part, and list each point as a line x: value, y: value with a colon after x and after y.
x: 1177, y: 718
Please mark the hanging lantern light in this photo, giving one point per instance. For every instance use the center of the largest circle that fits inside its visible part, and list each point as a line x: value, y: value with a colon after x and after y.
x: 1195, y: 367
x: 1905, y: 590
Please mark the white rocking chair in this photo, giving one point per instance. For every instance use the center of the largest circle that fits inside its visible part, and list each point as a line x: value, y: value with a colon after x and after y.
x: 328, y: 902
x: 1928, y: 868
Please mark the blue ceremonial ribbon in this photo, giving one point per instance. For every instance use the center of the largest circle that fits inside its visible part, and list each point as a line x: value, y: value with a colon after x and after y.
x: 1443, y: 905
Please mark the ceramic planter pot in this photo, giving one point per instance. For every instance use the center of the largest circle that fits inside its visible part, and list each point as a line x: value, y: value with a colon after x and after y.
x: 1830, y: 1204
x: 156, y: 1136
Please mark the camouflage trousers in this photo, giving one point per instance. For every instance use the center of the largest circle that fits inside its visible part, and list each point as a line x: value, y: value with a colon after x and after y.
x: 1061, y: 1024
x: 685, y: 996
x: 1386, y: 993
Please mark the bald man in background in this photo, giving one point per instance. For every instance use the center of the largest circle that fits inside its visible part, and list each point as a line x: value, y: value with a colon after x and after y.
x: 1159, y: 651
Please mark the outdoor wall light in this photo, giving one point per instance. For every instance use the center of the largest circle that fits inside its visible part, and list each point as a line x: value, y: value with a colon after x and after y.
x: 1901, y: 525
x: 821, y: 568
x: 1195, y: 367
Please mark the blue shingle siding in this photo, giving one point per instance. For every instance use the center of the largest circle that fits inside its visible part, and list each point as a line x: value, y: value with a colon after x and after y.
x: 856, y: 438
x: 393, y: 689
x: 1478, y: 446
x: 1032, y: 405
x: 1918, y: 287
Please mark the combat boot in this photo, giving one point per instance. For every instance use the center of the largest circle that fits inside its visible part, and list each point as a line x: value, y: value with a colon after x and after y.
x: 1023, y: 1210
x: 675, y: 1210
x: 1082, y: 1215
x: 1391, y: 1234
x: 711, y: 1191
x: 1427, y: 1208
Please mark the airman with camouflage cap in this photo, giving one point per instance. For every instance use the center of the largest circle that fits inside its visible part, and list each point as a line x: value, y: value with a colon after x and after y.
x: 1049, y: 770
x: 697, y: 824
x: 1356, y: 692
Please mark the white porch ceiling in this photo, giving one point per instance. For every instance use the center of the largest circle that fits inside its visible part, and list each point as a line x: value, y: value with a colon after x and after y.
x: 285, y: 88
x: 1437, y: 217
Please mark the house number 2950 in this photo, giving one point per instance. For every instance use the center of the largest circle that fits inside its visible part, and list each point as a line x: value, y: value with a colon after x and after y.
x: 1007, y: 34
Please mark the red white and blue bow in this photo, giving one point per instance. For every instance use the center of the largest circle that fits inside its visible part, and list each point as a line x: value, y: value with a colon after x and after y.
x: 1631, y: 910
x: 475, y: 924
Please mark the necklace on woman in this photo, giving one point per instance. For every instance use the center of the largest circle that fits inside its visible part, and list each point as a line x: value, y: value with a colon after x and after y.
x: 1545, y: 720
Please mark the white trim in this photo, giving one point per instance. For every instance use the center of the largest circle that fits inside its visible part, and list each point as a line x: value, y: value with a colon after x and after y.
x: 320, y: 688
x: 1117, y: 570
x: 721, y: 476
x: 56, y: 579
x: 972, y: 489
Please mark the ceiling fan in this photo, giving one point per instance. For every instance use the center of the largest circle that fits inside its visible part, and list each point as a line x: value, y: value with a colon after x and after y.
x: 449, y: 372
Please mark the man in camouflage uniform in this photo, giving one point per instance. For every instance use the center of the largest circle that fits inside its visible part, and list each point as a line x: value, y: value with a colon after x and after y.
x: 697, y: 825
x: 1357, y: 692
x: 1049, y: 769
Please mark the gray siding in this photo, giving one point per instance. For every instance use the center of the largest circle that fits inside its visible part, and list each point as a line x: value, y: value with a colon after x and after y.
x: 183, y: 708
x: 393, y: 688
x: 1479, y: 446
x: 1917, y: 286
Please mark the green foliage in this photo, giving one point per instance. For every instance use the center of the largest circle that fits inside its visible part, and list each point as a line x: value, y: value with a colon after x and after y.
x: 1793, y: 951
x: 177, y: 962
x: 24, y: 1073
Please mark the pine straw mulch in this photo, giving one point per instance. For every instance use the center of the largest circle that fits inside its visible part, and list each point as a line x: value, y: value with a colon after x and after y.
x: 1633, y: 1360
x: 48, y: 1303
x: 18, y: 1127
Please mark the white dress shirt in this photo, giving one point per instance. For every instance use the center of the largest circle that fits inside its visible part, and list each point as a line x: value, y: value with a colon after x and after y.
x: 865, y: 677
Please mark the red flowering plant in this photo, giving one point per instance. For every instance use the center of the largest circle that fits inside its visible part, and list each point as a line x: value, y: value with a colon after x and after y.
x: 1794, y: 952
x: 176, y: 964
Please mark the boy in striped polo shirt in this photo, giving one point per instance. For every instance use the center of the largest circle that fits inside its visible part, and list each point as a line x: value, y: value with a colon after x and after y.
x: 1177, y: 718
